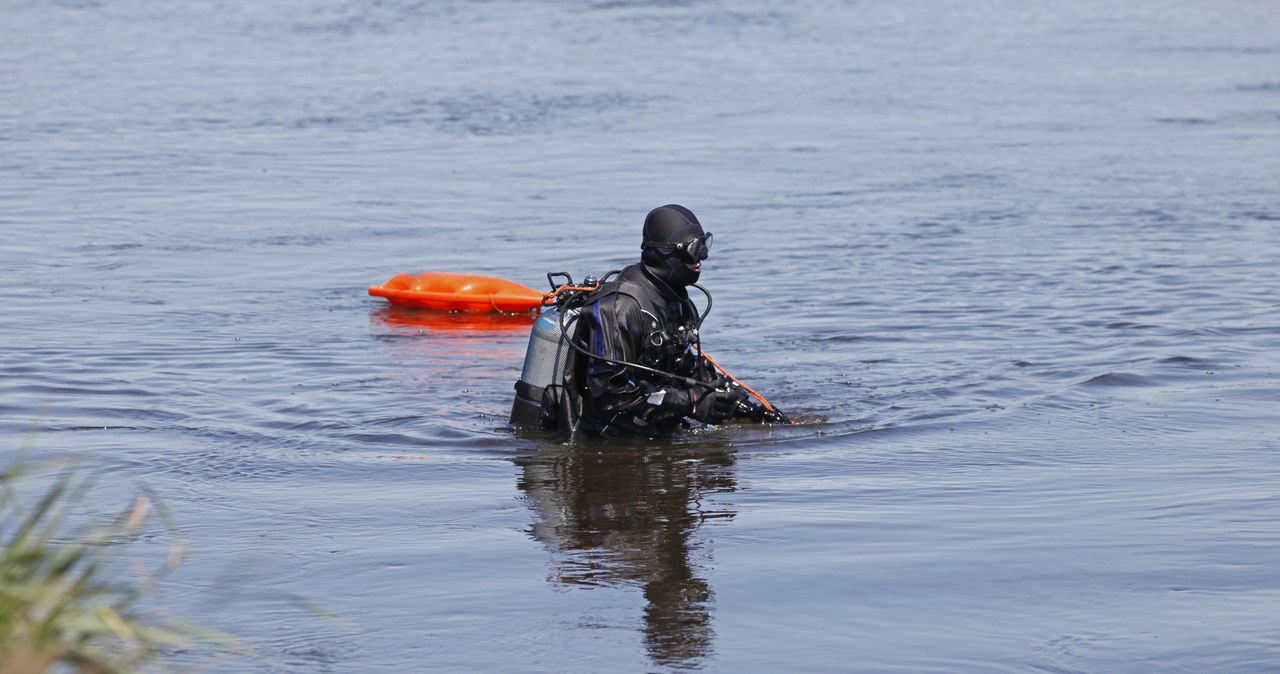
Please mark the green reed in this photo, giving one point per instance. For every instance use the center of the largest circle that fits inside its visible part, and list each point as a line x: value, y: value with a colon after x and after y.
x: 62, y: 607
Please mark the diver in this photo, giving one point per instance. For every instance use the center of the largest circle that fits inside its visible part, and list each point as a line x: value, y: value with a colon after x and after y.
x: 622, y: 356
x: 645, y: 316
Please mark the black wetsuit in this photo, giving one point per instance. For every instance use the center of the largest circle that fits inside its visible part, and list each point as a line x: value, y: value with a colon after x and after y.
x: 638, y: 318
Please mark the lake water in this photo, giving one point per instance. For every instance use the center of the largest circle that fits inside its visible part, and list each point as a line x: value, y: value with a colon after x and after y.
x: 1013, y: 265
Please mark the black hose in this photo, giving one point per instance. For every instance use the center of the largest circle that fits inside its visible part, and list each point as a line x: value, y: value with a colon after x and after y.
x: 688, y: 381
x: 704, y: 315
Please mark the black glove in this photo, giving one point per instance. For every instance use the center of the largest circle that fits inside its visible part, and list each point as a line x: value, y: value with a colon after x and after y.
x: 718, y: 405
x: 754, y: 410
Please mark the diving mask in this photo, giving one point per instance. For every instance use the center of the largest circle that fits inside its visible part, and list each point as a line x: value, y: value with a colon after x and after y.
x: 693, y: 250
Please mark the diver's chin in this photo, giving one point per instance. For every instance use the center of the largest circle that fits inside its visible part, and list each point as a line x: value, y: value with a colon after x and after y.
x: 695, y: 271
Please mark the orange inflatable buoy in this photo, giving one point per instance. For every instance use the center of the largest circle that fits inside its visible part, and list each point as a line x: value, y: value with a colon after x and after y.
x: 458, y: 292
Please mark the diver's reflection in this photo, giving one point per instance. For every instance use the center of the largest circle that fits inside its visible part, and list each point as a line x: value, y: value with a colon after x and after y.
x: 625, y: 518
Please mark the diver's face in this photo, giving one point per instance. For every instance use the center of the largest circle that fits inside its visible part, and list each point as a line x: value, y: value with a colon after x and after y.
x: 684, y: 270
x: 692, y: 252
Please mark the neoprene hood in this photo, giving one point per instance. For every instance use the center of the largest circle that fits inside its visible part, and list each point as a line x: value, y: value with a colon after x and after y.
x: 670, y: 224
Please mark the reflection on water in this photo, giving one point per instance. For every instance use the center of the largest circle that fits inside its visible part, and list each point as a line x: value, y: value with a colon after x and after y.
x: 401, y: 319
x: 622, y: 518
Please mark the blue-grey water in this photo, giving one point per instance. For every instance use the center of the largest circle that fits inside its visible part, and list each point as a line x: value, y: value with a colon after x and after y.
x: 1013, y: 265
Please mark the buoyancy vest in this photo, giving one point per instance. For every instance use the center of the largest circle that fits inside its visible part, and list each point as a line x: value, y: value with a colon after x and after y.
x: 631, y: 318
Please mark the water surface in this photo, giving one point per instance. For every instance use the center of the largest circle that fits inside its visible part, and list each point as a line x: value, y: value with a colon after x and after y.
x: 1012, y: 265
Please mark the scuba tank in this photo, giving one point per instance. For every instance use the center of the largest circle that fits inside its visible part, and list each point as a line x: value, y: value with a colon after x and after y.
x: 543, y: 373
x: 540, y: 388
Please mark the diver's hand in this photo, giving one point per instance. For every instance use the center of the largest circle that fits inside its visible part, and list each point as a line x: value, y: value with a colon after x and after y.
x: 717, y: 405
x: 755, y: 410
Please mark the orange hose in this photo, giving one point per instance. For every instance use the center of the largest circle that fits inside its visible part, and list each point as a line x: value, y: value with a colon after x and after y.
x: 746, y: 388
x: 548, y: 298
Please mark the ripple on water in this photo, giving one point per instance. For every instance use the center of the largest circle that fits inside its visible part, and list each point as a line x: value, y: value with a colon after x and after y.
x: 1119, y: 379
x: 1029, y: 336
